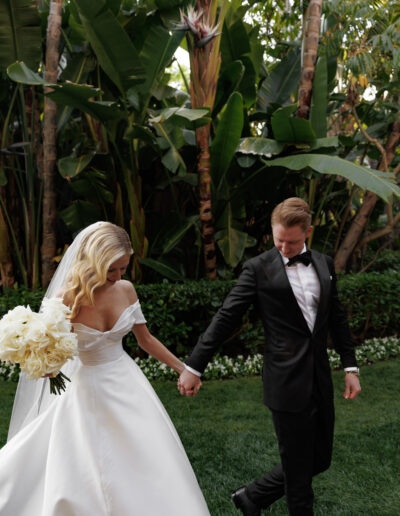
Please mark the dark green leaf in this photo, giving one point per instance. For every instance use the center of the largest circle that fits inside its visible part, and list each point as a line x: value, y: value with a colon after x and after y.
x: 19, y: 72
x: 189, y: 114
x: 172, y: 160
x: 80, y: 214
x: 246, y: 161
x: 72, y: 166
x: 251, y: 241
x: 182, y: 116
x: 140, y: 132
x: 227, y: 138
x: 179, y: 233
x: 257, y: 49
x: 78, y: 68
x: 114, y: 49
x: 133, y: 98
x: 76, y: 95
x: 162, y: 268
x: 247, y: 86
x: 260, y: 146
x: 319, y: 100
x: 68, y: 94
x: 228, y: 81
x: 378, y: 182
x: 20, y: 33
x: 92, y: 185
x: 190, y: 136
x: 232, y: 244
x: 158, y: 49
x: 167, y: 4
x: 320, y: 143
x: 281, y: 82
x: 291, y: 129
x: 234, y: 42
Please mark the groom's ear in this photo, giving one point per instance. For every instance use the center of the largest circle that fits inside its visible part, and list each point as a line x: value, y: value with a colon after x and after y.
x: 309, y: 231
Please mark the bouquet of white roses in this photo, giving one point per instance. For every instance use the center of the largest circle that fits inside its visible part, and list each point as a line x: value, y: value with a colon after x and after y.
x: 41, y: 342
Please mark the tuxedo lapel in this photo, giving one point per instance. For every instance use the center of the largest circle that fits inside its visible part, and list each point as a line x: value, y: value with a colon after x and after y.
x: 275, y: 272
x: 323, y: 273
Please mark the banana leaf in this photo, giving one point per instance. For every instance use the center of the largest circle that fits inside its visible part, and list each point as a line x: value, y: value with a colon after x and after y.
x: 20, y: 33
x: 381, y: 183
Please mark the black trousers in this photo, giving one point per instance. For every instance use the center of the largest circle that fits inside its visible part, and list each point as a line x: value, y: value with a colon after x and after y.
x: 305, y: 445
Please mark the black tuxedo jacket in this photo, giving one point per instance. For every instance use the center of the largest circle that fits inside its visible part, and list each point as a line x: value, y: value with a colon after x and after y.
x: 294, y: 357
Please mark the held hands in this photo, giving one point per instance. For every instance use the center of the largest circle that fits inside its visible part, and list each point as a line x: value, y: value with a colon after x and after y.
x: 352, y: 386
x: 188, y: 383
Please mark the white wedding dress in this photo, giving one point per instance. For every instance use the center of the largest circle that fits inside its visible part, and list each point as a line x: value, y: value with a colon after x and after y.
x: 105, y: 447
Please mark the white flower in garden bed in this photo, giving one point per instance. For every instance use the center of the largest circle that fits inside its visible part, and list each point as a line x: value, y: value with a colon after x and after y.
x: 372, y: 350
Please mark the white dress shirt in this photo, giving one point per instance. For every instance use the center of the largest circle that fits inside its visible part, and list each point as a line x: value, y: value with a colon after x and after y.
x: 306, y: 289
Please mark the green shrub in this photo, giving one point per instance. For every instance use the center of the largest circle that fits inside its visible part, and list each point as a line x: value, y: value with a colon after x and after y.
x: 12, y: 297
x: 177, y: 313
x: 372, y: 302
x: 387, y: 260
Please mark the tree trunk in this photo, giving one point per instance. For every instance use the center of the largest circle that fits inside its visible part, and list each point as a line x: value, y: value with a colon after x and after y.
x: 207, y: 224
x: 48, y: 249
x: 6, y: 266
x: 205, y: 62
x: 309, y: 56
x: 361, y: 219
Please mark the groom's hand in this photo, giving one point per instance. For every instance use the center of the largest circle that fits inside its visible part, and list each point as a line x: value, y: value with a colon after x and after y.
x: 188, y: 383
x: 352, y: 386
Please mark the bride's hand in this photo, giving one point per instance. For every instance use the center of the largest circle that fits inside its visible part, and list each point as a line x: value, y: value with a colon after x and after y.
x: 188, y: 383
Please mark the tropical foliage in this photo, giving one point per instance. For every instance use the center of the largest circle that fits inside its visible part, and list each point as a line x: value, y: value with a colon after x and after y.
x: 133, y: 149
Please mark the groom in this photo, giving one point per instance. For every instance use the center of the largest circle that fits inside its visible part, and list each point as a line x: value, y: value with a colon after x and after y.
x: 294, y: 290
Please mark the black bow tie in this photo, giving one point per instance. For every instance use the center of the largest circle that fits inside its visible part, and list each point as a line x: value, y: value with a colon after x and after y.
x: 303, y: 258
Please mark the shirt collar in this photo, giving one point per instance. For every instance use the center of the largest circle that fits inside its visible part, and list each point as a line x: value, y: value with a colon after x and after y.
x: 285, y: 260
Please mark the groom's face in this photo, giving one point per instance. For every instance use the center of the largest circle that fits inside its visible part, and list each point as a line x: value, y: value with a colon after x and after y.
x: 290, y: 241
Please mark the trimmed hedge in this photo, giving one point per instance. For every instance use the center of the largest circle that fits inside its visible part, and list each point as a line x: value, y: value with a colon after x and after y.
x: 177, y: 313
x: 372, y: 301
x: 387, y: 260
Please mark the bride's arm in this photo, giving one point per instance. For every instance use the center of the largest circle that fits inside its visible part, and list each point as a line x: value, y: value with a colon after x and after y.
x: 154, y: 348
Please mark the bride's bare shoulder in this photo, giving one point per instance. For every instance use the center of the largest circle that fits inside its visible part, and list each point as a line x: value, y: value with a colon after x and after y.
x: 129, y: 290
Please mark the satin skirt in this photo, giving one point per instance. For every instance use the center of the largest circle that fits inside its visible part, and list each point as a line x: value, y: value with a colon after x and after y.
x: 105, y: 447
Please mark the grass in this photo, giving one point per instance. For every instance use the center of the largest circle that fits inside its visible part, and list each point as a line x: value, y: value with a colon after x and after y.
x: 229, y: 438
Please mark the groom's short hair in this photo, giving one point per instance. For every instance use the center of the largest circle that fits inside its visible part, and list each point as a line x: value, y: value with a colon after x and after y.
x: 292, y: 212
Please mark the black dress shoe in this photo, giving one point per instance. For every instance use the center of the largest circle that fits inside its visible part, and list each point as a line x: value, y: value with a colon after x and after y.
x: 243, y: 502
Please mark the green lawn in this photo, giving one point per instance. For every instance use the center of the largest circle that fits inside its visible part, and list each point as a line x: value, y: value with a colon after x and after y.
x: 229, y: 438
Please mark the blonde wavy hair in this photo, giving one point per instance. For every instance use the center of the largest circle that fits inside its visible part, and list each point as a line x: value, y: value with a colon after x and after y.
x: 100, y: 247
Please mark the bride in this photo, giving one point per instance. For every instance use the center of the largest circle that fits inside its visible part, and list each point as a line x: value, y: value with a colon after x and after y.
x: 106, y: 445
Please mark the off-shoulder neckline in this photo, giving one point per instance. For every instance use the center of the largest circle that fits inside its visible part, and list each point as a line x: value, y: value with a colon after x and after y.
x: 113, y: 326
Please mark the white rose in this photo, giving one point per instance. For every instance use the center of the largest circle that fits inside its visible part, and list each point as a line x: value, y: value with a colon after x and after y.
x: 33, y: 365
x: 12, y: 344
x: 54, y: 314
x: 36, y: 333
x: 19, y: 313
x: 53, y: 361
x: 68, y: 344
